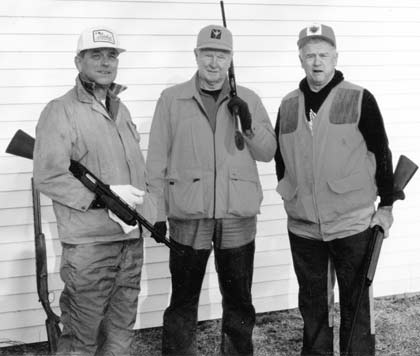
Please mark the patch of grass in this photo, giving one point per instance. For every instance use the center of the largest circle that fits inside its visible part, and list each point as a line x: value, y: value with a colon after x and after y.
x: 279, y: 333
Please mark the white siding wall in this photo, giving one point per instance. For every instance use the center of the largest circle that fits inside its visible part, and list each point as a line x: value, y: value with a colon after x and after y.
x: 379, y: 48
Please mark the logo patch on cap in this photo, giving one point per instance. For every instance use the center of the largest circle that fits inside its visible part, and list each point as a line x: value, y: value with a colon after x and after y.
x: 103, y: 36
x: 314, y: 30
x: 216, y: 34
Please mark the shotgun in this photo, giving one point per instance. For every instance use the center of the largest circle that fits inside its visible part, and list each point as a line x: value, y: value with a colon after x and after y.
x: 239, y: 139
x: 22, y: 145
x: 403, y: 173
x: 53, y: 320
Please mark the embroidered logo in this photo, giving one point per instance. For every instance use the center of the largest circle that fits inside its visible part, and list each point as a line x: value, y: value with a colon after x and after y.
x: 315, y: 29
x: 216, y: 34
x: 103, y: 36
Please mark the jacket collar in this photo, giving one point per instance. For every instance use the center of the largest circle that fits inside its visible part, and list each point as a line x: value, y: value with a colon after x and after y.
x: 85, y: 89
x: 191, y: 88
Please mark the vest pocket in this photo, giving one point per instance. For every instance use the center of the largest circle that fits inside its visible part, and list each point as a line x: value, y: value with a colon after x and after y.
x: 185, y: 193
x: 349, y: 193
x: 348, y: 184
x: 245, y: 193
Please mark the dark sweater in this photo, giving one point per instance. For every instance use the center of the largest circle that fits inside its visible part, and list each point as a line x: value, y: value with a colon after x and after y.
x: 371, y: 127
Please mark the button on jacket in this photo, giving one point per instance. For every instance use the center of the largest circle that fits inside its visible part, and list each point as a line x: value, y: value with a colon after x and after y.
x: 76, y: 126
x: 196, y: 173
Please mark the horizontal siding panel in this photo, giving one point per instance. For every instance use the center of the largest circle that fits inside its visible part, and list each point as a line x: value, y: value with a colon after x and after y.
x: 407, y: 4
x: 17, y: 95
x: 70, y: 28
x: 165, y: 76
x: 17, y: 115
x: 36, y: 42
x: 207, y: 11
x: 278, y: 57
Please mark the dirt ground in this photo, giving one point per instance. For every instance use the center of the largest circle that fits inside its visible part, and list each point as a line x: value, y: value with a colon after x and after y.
x: 397, y: 321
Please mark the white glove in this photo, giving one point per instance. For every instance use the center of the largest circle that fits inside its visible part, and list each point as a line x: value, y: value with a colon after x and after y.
x: 383, y: 217
x: 131, y: 195
x: 126, y: 228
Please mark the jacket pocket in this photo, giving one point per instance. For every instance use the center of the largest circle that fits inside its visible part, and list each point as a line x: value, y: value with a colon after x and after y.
x: 245, y: 193
x: 185, y: 193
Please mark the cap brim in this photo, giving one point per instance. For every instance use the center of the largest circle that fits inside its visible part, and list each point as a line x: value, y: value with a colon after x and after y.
x: 303, y: 41
x: 118, y: 49
x: 215, y: 46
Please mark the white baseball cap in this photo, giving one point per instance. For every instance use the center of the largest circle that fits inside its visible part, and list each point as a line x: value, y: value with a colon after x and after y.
x: 98, y: 37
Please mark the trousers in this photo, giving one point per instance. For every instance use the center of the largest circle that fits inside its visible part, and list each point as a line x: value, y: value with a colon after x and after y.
x: 100, y: 296
x: 235, y: 270
x: 311, y: 260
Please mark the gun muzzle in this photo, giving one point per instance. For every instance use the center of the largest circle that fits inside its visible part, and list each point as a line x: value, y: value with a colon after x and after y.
x: 21, y: 145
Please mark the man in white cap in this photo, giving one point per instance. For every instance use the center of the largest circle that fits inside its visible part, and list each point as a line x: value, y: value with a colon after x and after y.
x: 101, y: 257
x: 210, y: 192
x: 332, y: 162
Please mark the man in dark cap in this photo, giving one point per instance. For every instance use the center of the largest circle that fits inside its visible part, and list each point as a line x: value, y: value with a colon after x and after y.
x: 210, y: 192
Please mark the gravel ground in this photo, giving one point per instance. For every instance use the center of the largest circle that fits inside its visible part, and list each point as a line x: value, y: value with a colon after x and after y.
x: 279, y: 333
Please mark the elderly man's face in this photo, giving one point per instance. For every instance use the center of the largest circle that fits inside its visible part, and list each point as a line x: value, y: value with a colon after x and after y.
x: 98, y: 65
x: 213, y: 65
x: 318, y: 59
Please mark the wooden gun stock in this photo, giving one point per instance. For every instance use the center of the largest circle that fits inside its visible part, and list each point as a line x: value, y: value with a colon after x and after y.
x: 404, y: 171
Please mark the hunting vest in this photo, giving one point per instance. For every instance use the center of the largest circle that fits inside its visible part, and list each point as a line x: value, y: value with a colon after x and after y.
x: 329, y: 184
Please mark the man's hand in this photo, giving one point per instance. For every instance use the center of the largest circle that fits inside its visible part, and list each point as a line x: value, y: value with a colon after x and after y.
x: 126, y: 228
x: 383, y: 217
x: 160, y: 227
x: 243, y: 111
x: 131, y: 195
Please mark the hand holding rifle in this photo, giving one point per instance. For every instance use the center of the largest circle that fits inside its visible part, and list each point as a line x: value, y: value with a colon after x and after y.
x: 237, y: 107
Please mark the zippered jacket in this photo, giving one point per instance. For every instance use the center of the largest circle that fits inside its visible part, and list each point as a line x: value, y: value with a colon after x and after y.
x: 76, y: 126
x: 197, y: 173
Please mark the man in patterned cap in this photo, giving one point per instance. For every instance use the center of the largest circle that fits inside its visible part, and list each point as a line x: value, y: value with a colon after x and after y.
x: 332, y: 162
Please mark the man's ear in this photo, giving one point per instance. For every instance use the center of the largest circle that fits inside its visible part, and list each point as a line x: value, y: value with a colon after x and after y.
x: 196, y: 52
x: 77, y: 62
